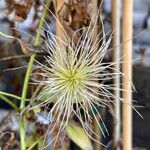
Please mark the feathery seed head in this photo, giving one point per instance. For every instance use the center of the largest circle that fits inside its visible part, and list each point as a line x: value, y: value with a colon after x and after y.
x: 75, y: 75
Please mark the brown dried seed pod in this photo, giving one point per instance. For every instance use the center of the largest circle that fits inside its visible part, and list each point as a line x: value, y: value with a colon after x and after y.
x: 41, y: 129
x: 31, y: 116
x: 9, y: 141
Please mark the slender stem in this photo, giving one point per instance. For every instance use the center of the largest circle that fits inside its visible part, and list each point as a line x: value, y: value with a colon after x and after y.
x: 22, y: 105
x: 27, y: 77
x: 11, y: 95
x: 116, y: 56
x: 127, y: 29
x: 22, y: 133
x: 57, y: 5
x: 7, y: 36
x: 26, y: 81
x: 44, y: 13
x: 97, y: 146
x: 5, y: 99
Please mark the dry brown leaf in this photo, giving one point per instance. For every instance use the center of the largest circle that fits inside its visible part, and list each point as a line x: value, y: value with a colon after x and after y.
x: 69, y: 31
x: 75, y: 18
x: 9, y: 141
x: 79, y: 15
x: 20, y: 12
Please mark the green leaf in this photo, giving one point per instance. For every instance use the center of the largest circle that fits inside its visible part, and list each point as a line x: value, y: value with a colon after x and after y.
x: 5, y: 99
x: 78, y: 135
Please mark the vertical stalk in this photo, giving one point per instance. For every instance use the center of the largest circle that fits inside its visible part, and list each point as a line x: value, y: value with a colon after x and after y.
x: 116, y: 56
x: 6, y: 100
x: 127, y: 70
x: 96, y: 126
x: 58, y: 4
x: 27, y: 77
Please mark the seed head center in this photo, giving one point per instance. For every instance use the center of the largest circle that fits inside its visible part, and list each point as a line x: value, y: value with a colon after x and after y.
x: 74, y: 78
